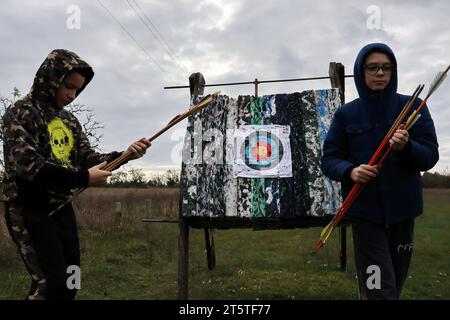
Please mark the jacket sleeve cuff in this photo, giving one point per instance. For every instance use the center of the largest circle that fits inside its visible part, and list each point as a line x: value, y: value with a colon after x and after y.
x: 343, y: 169
x: 347, y: 174
x: 406, y: 151
x: 52, y: 176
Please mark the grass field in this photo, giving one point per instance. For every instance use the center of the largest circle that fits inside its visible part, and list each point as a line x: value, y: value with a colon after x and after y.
x: 123, y: 258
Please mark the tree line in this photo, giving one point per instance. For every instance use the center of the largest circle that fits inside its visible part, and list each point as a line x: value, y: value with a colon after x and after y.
x: 436, y: 180
x: 135, y: 178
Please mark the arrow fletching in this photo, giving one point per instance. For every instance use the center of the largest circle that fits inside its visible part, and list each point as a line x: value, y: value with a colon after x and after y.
x: 414, y: 121
x: 440, y: 77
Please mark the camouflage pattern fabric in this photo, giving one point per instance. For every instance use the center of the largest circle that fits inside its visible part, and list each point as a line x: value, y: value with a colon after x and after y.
x: 20, y: 236
x: 258, y: 199
x: 244, y: 184
x: 207, y: 188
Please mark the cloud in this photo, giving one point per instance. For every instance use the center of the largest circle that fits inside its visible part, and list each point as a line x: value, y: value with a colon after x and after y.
x: 226, y: 41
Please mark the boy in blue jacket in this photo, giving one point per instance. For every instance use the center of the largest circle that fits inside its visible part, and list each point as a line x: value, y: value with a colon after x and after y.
x: 383, y: 215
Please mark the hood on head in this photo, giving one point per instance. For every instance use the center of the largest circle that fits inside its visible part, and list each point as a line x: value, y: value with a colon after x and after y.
x: 51, y: 74
x: 358, y: 69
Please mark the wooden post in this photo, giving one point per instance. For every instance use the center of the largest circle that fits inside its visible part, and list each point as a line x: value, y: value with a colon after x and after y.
x: 210, y: 250
x: 118, y: 213
x: 197, y: 87
x: 343, y: 247
x: 150, y: 235
x: 149, y: 208
x: 256, y: 82
x: 197, y: 84
x: 183, y: 263
x: 336, y: 72
x: 183, y: 252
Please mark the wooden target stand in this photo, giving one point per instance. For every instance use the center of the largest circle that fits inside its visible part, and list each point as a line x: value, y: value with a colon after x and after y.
x: 197, y: 84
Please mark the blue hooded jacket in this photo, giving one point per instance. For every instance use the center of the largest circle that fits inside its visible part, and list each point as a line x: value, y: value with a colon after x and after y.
x: 356, y: 131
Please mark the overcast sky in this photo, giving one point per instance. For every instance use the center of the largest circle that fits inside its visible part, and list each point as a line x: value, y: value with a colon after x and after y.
x: 226, y: 40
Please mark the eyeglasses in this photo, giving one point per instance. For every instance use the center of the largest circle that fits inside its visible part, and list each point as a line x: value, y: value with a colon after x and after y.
x: 373, y: 68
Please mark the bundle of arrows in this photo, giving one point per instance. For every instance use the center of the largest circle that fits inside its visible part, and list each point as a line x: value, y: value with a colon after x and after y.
x: 125, y: 156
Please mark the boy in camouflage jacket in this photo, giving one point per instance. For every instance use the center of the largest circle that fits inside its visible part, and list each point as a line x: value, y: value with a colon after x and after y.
x: 47, y: 156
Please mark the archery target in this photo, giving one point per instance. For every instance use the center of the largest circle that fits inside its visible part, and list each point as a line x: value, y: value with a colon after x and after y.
x: 262, y: 151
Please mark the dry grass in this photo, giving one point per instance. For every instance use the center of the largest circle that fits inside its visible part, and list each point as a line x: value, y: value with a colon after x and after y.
x: 102, y: 210
x: 123, y: 258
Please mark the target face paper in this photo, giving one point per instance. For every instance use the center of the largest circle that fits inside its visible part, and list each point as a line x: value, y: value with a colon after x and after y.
x: 262, y: 151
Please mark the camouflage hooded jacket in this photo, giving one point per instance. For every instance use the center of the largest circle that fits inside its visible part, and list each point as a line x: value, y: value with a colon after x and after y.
x: 46, y: 152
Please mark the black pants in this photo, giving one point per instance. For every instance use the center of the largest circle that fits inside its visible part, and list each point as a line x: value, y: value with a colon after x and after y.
x: 21, y: 237
x: 55, y: 242
x: 384, y: 251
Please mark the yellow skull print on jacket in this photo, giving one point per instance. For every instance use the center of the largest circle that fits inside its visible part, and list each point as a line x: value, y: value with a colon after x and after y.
x: 61, y: 140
